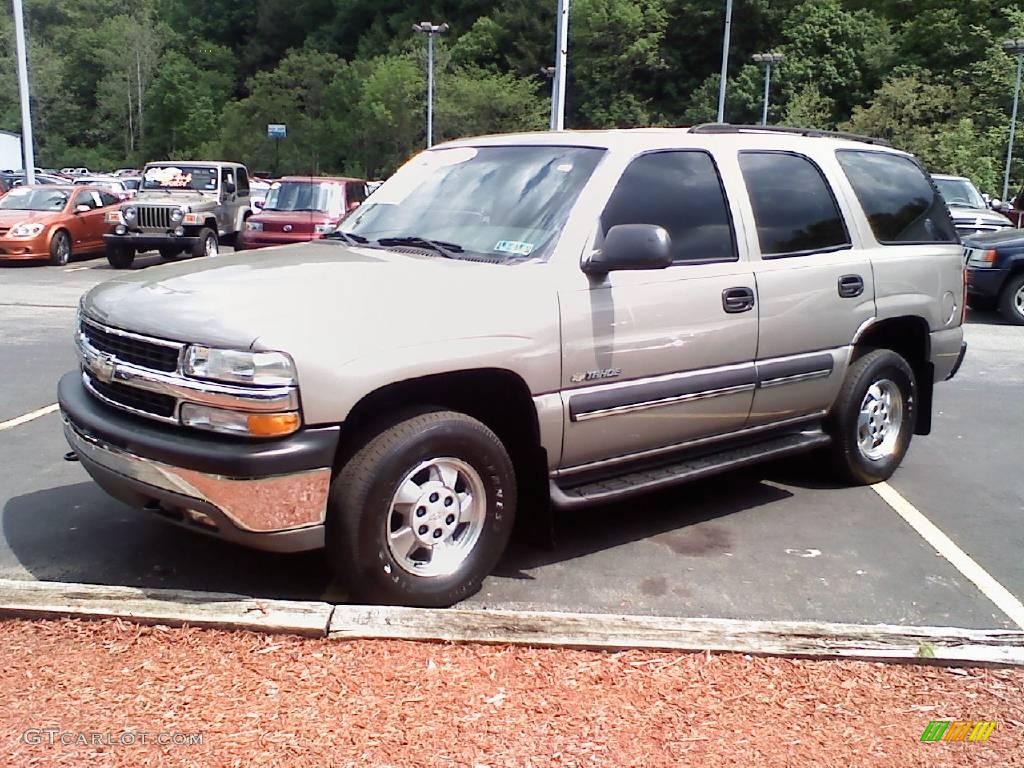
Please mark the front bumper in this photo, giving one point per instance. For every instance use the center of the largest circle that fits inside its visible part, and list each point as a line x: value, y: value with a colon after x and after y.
x: 269, y: 495
x: 18, y: 248
x: 985, y: 283
x: 142, y: 242
x: 254, y: 240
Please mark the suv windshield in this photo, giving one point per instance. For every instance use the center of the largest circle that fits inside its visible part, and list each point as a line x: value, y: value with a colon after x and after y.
x: 180, y: 177
x: 960, y: 192
x: 303, y: 196
x: 502, y: 202
x: 34, y: 200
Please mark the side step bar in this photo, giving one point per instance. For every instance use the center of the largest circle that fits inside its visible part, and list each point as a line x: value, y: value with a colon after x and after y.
x: 644, y: 481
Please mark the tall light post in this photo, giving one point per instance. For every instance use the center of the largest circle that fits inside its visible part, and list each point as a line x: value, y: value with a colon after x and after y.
x: 28, y: 150
x: 767, y: 59
x: 725, y: 61
x: 431, y: 30
x: 1014, y: 48
x: 561, y: 57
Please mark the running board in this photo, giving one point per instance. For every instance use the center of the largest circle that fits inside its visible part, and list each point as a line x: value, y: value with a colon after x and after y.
x: 647, y: 480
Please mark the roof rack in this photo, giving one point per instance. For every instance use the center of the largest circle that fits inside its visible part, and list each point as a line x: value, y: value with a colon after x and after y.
x: 814, y: 132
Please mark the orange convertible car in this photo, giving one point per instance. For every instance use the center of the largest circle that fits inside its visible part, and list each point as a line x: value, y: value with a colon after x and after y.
x: 53, y: 222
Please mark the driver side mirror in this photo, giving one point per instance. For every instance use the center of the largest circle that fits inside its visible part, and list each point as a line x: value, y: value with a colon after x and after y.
x: 82, y: 208
x: 629, y: 247
x: 229, y: 188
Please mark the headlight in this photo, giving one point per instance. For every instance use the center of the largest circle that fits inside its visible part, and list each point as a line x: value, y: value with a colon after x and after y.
x: 238, y: 422
x: 982, y: 258
x: 177, y: 215
x: 129, y: 212
x: 261, y: 369
x: 324, y: 229
x: 254, y: 226
x: 26, y: 229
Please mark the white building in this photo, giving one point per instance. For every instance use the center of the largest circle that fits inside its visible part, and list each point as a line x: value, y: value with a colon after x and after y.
x: 10, y: 151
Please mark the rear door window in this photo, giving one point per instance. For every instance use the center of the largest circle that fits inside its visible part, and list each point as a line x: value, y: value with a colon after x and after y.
x: 901, y: 203
x: 794, y: 208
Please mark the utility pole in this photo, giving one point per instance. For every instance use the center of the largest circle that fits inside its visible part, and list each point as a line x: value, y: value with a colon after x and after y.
x: 27, y: 148
x: 767, y: 59
x: 561, y: 58
x: 431, y: 30
x: 725, y: 61
x: 1014, y: 48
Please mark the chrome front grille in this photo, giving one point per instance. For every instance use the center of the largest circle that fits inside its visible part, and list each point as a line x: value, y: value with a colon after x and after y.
x: 159, y: 356
x: 132, y: 399
x: 153, y: 217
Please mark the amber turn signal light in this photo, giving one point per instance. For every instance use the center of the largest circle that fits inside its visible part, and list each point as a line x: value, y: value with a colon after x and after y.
x: 272, y: 424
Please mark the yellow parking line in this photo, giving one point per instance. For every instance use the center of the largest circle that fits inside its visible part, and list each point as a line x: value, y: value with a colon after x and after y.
x: 11, y: 423
x: 959, y: 559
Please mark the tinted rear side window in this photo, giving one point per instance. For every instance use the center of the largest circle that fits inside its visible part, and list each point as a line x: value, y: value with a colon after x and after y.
x: 900, y: 202
x: 681, y: 192
x: 794, y: 208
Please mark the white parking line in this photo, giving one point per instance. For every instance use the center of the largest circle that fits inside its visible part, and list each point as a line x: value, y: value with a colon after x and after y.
x: 11, y: 423
x: 959, y: 559
x: 76, y: 269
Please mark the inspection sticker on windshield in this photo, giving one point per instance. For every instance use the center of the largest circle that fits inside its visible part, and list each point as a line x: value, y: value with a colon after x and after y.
x: 514, y: 246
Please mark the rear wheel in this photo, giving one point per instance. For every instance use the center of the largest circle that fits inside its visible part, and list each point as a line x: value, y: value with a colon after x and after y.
x: 206, y: 243
x: 60, y: 248
x: 873, y: 420
x: 422, y: 512
x: 120, y: 257
x: 1011, y: 300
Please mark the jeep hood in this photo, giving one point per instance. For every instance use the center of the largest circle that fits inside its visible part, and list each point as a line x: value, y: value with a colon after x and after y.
x: 173, y: 198
x: 293, y: 298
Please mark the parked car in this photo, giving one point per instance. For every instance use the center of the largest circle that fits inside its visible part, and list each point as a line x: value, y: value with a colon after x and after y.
x: 17, y: 178
x: 74, y: 171
x: 995, y: 273
x: 132, y: 184
x: 52, y: 222
x: 182, y: 207
x: 110, y: 183
x: 258, y: 191
x: 127, y: 172
x: 513, y: 322
x: 300, y: 208
x: 971, y: 214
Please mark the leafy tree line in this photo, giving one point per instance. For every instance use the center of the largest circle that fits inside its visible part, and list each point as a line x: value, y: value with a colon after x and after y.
x: 119, y: 82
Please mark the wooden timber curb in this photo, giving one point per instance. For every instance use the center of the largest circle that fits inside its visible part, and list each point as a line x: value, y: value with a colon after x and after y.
x: 872, y: 642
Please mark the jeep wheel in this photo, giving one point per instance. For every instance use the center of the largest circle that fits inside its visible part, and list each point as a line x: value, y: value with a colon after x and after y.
x: 168, y: 254
x: 1011, y: 300
x: 120, y: 257
x: 873, y: 419
x: 422, y: 512
x: 206, y: 243
x: 60, y: 248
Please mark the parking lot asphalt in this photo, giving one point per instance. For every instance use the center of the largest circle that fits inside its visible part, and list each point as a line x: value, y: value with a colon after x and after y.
x: 778, y: 542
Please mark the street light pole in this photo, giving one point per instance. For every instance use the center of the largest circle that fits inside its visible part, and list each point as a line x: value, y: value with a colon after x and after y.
x: 1014, y: 48
x: 561, y: 57
x: 28, y: 151
x: 767, y: 59
x: 431, y: 30
x: 725, y: 61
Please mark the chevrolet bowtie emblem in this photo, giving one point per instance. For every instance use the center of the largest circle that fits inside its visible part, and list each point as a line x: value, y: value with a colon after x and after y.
x: 287, y: 227
x: 103, y: 368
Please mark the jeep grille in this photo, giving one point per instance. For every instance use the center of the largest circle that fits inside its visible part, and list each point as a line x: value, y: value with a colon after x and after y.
x: 151, y: 217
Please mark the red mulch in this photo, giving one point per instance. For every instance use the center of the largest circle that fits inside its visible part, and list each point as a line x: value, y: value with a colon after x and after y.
x: 285, y: 701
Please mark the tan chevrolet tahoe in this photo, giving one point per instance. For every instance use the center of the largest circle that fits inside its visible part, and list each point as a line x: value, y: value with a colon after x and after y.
x: 513, y: 325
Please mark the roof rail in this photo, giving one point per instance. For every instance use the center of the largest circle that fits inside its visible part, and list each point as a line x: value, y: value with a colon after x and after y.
x: 729, y: 128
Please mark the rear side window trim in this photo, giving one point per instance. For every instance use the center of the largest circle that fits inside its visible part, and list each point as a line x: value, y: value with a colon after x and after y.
x: 832, y: 194
x: 928, y: 177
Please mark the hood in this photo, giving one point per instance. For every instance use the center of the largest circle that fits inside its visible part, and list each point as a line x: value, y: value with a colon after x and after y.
x: 183, y: 199
x: 288, y: 297
x: 11, y: 217
x: 966, y: 213
x: 1004, y: 239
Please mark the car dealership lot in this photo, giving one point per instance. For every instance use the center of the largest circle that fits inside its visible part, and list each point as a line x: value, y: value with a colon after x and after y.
x: 775, y: 543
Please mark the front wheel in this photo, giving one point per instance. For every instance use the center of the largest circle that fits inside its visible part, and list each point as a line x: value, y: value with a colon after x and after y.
x: 206, y: 243
x: 1011, y: 300
x: 60, y: 248
x: 873, y: 419
x: 120, y: 257
x: 422, y: 512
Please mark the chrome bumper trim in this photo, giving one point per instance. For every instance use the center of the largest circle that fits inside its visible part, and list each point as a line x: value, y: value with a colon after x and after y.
x: 257, y: 505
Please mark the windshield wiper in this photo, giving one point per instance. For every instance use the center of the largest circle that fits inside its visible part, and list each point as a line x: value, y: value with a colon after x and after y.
x: 448, y: 250
x: 348, y: 238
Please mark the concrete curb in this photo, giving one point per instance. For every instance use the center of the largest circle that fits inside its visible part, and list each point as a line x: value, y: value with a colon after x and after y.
x: 881, y: 642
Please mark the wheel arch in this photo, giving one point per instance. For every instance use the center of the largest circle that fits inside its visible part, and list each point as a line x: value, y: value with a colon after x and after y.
x: 910, y: 337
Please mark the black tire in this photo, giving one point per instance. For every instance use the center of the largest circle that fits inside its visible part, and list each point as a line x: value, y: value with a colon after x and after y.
x: 120, y: 257
x: 849, y: 460
x: 1011, y: 306
x: 360, y: 517
x: 60, y: 248
x: 982, y: 303
x: 169, y: 254
x: 205, y: 234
